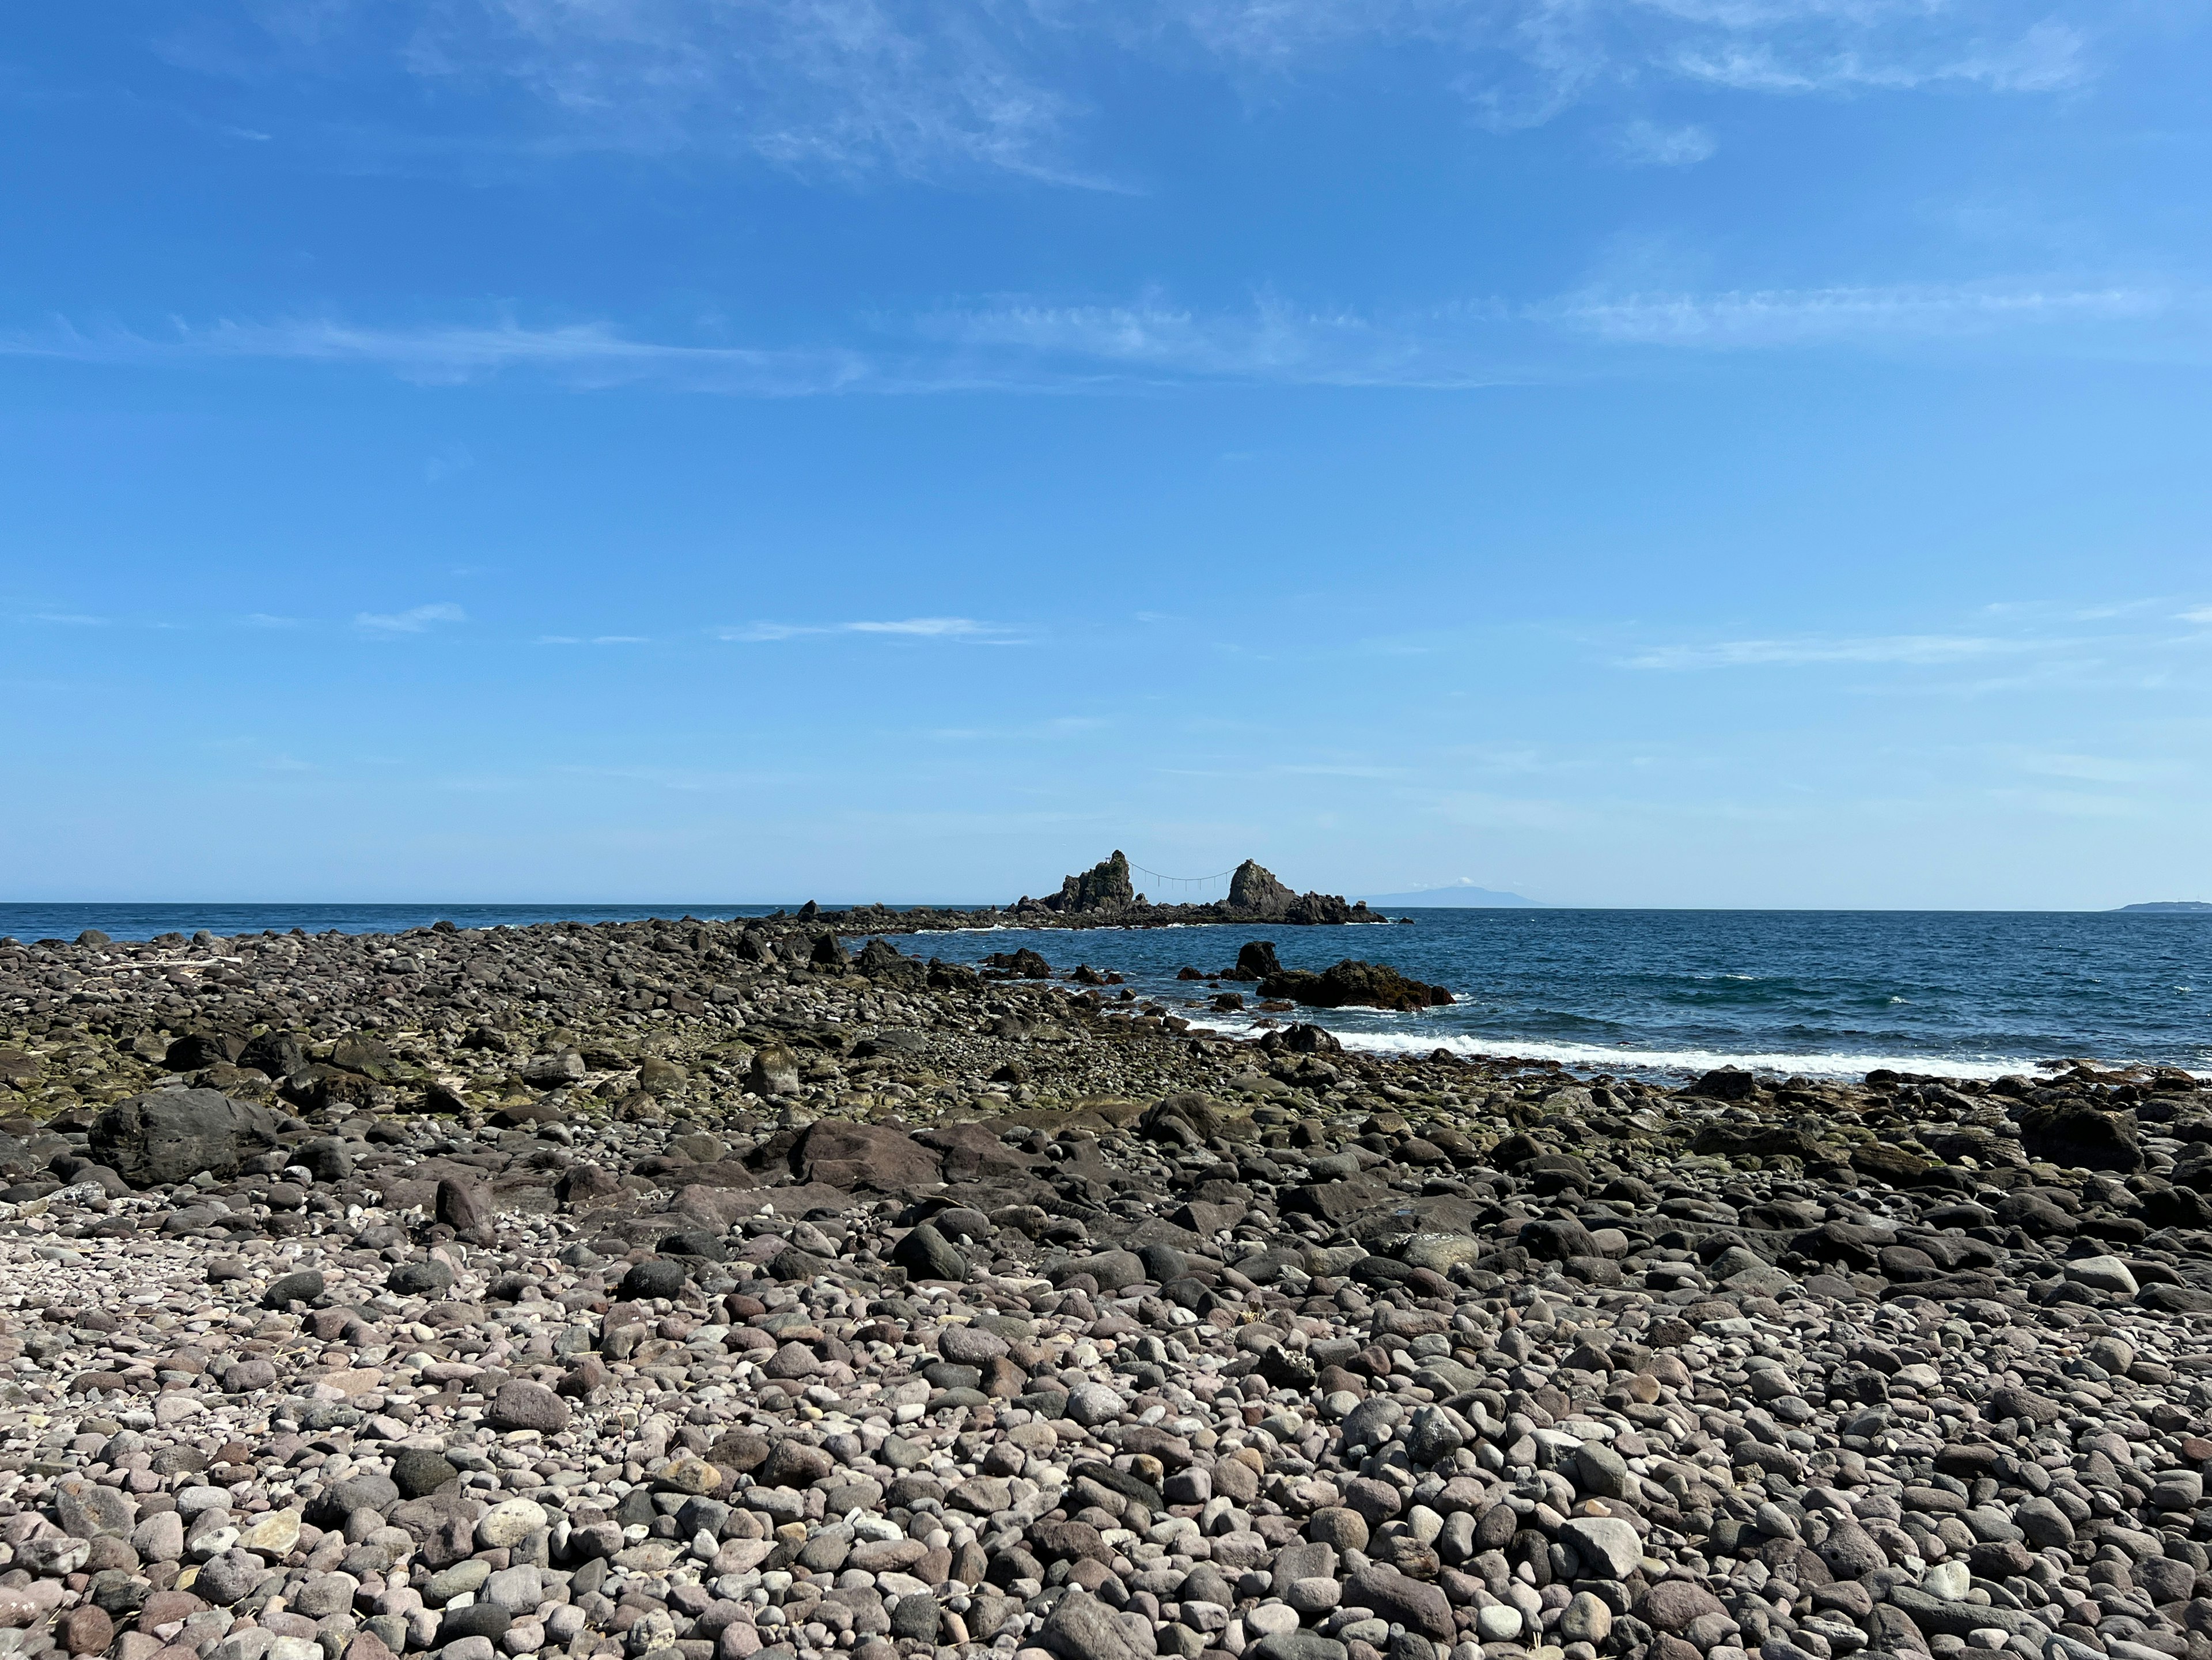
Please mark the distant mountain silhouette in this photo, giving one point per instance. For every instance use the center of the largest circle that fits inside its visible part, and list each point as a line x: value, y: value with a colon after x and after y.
x: 1457, y: 895
x: 2175, y: 907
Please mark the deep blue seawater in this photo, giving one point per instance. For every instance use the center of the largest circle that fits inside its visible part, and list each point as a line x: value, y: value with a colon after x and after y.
x: 1824, y: 994
x: 1831, y: 993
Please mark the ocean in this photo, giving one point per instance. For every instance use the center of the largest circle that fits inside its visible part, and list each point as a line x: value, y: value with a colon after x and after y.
x: 1817, y: 994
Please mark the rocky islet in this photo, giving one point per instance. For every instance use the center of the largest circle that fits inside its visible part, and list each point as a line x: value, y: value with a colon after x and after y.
x: 696, y: 1290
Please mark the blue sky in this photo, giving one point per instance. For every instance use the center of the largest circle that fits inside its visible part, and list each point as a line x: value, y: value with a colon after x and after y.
x: 1630, y: 452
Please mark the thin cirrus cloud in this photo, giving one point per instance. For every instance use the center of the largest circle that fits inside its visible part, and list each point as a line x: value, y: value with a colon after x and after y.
x: 854, y: 87
x: 593, y: 640
x: 1034, y: 345
x: 2132, y: 639
x: 1962, y: 313
x: 964, y: 629
x: 587, y: 356
x: 1921, y: 650
x: 1649, y: 144
x: 831, y: 87
x: 418, y: 619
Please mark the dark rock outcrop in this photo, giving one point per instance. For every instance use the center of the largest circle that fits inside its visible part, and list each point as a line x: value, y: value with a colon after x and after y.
x: 1354, y: 984
x: 1105, y: 887
x: 1257, y: 891
x: 170, y: 1135
x: 2077, y: 1136
x: 1256, y: 960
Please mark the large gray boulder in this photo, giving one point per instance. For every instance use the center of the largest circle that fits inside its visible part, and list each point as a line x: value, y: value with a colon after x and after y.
x: 170, y: 1135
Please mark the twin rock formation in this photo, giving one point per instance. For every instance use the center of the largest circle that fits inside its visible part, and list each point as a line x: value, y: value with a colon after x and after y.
x: 1255, y: 895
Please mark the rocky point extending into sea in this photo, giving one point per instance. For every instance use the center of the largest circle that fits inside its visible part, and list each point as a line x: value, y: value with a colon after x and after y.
x: 690, y: 1291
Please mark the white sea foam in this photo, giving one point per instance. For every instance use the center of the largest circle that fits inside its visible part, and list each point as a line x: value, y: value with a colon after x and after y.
x: 1594, y: 1057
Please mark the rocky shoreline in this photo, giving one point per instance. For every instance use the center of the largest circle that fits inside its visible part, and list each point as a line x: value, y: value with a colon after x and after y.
x: 1105, y: 897
x: 701, y: 1290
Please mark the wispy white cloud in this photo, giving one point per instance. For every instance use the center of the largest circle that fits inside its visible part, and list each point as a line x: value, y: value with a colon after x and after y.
x: 2006, y: 647
x: 820, y: 87
x: 1792, y: 316
x: 1520, y: 63
x: 418, y: 619
x: 2093, y: 769
x: 1913, y: 649
x: 1275, y: 340
x: 586, y: 356
x: 928, y: 627
x: 262, y: 619
x: 2043, y: 56
x: 918, y: 628
x: 593, y: 640
x: 71, y: 619
x: 1649, y: 144
x: 850, y: 88
x: 1022, y: 344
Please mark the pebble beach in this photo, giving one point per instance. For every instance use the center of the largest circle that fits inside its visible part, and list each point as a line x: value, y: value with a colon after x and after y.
x: 703, y: 1290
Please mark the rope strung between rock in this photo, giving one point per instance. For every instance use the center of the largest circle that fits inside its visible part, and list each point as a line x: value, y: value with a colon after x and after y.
x: 1185, y: 881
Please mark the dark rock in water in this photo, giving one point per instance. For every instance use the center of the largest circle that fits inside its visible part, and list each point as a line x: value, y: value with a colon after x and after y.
x: 880, y: 960
x: 1354, y: 984
x: 1255, y: 887
x: 1022, y: 965
x: 2075, y: 1134
x: 1104, y: 887
x: 1254, y: 890
x: 172, y: 1135
x: 1256, y: 960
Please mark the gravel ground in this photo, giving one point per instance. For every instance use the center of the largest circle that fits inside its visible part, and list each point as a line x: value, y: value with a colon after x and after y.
x: 690, y: 1291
